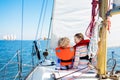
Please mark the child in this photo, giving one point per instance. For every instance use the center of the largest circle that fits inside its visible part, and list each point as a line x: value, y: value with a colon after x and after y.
x: 81, y: 51
x: 65, y: 53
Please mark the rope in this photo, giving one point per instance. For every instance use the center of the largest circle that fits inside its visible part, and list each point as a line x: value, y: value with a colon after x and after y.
x: 82, y: 73
x: 93, y: 45
x: 113, y: 66
x: 17, y: 75
x: 44, y: 13
x: 39, y: 19
x: 71, y: 73
x: 92, y: 23
x: 50, y: 26
x: 113, y: 63
x: 88, y: 68
x: 108, y: 17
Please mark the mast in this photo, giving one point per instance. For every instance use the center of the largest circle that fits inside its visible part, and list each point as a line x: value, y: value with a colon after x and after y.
x: 102, y: 52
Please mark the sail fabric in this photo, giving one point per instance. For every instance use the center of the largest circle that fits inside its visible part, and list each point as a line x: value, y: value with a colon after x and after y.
x: 113, y: 36
x: 69, y: 17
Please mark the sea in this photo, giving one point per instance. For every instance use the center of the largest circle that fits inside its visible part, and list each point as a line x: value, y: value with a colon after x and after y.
x: 8, y: 50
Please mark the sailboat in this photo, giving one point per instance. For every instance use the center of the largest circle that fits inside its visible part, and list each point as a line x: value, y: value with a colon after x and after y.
x: 9, y: 37
x: 70, y: 17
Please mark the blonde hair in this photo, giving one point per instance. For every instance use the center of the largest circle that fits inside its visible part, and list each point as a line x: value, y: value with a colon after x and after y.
x: 63, y: 42
x: 79, y: 35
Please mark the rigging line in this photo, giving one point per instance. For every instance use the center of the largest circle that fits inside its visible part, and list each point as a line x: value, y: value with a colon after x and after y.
x: 22, y: 24
x: 44, y: 13
x: 22, y: 11
x: 39, y: 19
x: 50, y: 26
x: 16, y: 75
x: 72, y: 72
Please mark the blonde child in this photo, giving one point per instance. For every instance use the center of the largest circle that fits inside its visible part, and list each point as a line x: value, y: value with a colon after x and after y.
x: 65, y: 53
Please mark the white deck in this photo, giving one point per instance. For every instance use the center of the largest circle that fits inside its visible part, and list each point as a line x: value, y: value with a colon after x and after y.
x: 44, y: 73
x: 50, y: 73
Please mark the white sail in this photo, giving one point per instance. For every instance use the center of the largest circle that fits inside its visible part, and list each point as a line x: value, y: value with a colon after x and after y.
x: 113, y: 36
x: 9, y: 37
x: 69, y: 18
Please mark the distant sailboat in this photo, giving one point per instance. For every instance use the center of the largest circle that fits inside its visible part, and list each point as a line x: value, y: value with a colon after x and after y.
x: 9, y: 37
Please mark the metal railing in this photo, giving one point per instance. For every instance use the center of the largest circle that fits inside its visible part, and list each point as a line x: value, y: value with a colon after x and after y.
x: 112, y: 63
x: 9, y: 68
x: 14, y: 69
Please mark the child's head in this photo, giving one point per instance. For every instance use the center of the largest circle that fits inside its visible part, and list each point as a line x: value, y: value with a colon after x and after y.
x: 78, y: 37
x: 64, y: 42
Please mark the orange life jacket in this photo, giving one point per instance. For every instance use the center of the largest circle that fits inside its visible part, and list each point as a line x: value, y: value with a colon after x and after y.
x: 65, y: 55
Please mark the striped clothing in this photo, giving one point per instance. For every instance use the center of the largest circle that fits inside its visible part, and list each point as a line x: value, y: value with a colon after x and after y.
x: 81, y: 51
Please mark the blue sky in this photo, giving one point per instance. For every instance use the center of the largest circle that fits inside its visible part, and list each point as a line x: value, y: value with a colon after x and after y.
x: 10, y: 18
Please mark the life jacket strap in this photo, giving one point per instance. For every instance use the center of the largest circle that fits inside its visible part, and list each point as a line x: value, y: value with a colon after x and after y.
x: 86, y: 57
x: 70, y: 60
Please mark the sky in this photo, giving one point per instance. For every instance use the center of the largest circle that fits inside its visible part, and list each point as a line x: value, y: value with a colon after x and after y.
x: 11, y: 16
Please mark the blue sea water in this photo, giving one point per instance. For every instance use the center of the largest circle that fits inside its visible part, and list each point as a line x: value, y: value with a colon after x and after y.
x: 9, y: 48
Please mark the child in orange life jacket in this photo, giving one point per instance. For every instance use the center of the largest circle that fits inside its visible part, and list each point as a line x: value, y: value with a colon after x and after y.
x: 65, y: 53
x: 81, y: 51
